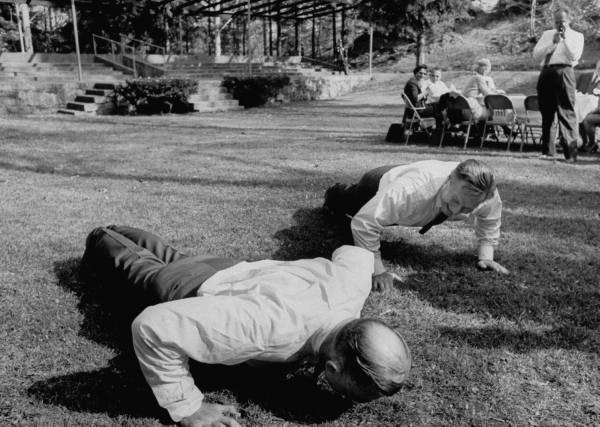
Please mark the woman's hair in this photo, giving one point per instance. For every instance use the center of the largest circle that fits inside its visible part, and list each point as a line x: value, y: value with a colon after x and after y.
x: 374, y: 354
x: 479, y: 175
x: 419, y: 68
x: 483, y: 62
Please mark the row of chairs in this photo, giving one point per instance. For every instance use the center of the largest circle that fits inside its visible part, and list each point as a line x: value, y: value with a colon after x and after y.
x: 459, y: 116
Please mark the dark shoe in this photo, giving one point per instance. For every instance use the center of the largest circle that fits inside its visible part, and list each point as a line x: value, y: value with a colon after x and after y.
x: 566, y: 149
x: 570, y: 152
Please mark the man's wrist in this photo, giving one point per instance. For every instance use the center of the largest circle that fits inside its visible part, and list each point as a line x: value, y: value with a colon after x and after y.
x: 485, y: 253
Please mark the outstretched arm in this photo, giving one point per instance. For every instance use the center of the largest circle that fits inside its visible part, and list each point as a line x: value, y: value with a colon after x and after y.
x: 368, y: 224
x: 487, y: 231
x: 206, y: 329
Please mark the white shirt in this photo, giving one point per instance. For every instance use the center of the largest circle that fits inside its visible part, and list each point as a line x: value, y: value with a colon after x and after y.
x: 408, y: 196
x: 270, y: 311
x: 435, y: 90
x: 567, y: 51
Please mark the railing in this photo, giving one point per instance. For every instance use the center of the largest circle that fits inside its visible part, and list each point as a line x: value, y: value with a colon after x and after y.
x: 132, y: 54
x: 320, y: 62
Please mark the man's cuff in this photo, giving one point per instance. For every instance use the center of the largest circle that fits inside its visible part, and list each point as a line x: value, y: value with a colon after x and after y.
x: 379, y: 268
x: 486, y: 253
x: 180, y: 400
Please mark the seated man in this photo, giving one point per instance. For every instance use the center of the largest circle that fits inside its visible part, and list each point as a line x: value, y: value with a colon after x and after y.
x: 220, y: 311
x: 420, y: 194
x: 436, y: 87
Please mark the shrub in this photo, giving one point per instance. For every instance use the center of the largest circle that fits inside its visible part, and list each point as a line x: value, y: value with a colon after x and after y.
x: 156, y: 96
x: 256, y: 90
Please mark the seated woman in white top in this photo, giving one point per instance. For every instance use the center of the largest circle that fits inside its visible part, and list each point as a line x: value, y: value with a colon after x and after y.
x: 479, y: 86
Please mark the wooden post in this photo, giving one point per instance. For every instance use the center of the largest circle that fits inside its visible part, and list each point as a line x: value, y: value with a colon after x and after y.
x: 370, y: 49
x: 76, y: 35
x: 264, y: 33
x: 21, y: 42
x: 278, y: 41
x: 270, y: 34
x: 314, y: 23
x: 248, y: 22
x: 296, y: 36
x: 343, y: 29
x: 26, y: 22
x: 210, y: 36
x: 180, y: 35
x: 334, y: 32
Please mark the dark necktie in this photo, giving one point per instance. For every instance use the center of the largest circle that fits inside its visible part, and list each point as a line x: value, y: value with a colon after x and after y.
x: 441, y: 217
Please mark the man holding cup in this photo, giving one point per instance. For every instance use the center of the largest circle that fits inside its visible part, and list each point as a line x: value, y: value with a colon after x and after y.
x: 558, y: 51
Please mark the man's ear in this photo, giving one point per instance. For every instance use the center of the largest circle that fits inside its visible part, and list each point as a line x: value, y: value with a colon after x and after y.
x: 332, y: 367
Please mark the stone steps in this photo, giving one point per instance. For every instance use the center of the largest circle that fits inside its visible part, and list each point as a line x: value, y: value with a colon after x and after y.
x: 219, y: 105
x: 198, y: 98
x: 97, y: 100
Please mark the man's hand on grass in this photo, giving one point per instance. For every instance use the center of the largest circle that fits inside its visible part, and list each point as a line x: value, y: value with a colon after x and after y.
x: 485, y: 264
x: 212, y: 415
x: 384, y: 282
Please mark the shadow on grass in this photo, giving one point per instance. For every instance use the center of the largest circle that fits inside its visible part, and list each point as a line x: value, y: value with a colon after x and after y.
x: 522, y: 341
x: 314, y: 234
x: 120, y: 389
x: 559, y: 293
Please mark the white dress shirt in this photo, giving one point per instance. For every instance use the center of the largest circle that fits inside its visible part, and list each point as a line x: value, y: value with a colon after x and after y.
x: 269, y: 311
x: 408, y: 195
x: 435, y: 90
x: 567, y: 51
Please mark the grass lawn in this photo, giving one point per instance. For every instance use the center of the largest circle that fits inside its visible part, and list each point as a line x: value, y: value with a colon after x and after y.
x: 488, y: 350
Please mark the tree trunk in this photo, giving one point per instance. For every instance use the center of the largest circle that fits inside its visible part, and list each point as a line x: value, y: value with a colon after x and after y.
x: 420, y: 49
x: 532, y: 19
x: 25, y: 20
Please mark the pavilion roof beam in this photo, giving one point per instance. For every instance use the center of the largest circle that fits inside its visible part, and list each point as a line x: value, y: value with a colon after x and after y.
x: 308, y: 10
x: 284, y: 8
x: 317, y: 14
x: 258, y: 8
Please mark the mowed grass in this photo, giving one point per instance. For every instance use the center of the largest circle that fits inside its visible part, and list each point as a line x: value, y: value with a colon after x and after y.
x: 488, y: 350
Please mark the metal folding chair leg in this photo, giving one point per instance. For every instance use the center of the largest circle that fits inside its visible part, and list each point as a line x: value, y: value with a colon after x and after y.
x: 443, y: 133
x: 467, y: 136
x: 484, y: 134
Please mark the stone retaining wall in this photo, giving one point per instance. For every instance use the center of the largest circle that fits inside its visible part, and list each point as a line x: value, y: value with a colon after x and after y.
x: 34, y: 97
x: 308, y: 88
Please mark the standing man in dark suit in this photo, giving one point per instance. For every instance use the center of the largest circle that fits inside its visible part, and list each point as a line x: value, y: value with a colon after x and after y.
x: 558, y: 51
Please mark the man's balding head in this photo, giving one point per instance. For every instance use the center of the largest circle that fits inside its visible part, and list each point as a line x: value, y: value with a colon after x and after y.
x: 372, y: 360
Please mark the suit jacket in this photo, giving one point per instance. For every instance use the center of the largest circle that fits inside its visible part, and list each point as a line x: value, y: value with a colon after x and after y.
x: 584, y: 83
x: 412, y: 90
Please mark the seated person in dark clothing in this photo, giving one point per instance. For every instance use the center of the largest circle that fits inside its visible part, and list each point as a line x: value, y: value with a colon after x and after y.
x: 416, y: 93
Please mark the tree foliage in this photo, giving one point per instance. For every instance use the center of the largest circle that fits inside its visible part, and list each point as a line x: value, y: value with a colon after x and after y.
x: 413, y: 18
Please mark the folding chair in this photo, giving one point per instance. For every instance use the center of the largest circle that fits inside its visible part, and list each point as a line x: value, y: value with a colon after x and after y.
x: 532, y: 119
x: 413, y: 122
x: 457, y: 114
x: 501, y: 113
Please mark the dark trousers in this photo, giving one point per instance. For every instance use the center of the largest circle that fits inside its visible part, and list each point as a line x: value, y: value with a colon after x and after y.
x: 556, y: 96
x: 142, y: 263
x: 343, y: 200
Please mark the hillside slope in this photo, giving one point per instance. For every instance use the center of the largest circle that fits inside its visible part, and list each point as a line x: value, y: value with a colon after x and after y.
x: 504, y: 41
